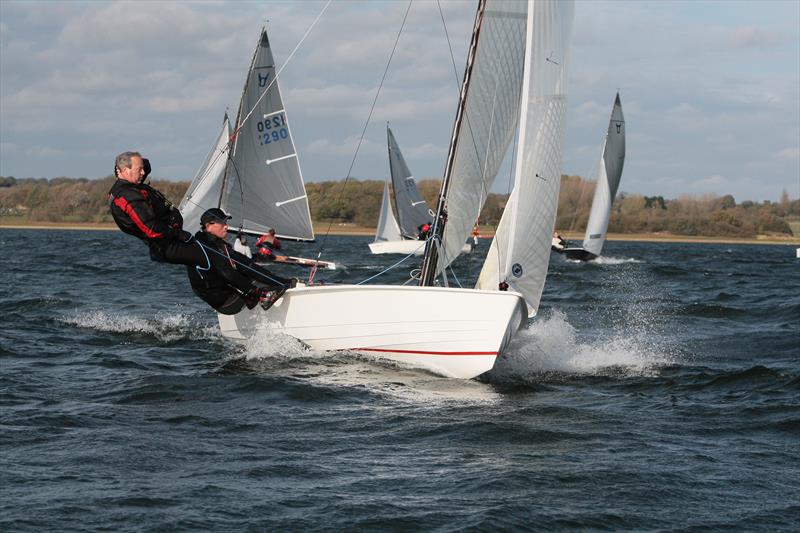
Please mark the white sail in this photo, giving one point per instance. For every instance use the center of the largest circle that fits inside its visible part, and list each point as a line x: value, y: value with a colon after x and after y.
x: 204, y: 192
x: 520, y: 252
x: 412, y: 211
x: 486, y: 125
x: 388, y: 230
x: 611, y: 165
x: 263, y: 185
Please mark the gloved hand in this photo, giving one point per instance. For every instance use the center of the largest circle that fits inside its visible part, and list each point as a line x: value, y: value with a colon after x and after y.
x: 254, y: 296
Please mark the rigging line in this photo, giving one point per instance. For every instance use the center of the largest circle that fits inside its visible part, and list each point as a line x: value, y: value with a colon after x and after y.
x: 582, y: 190
x: 458, y: 85
x: 453, y: 273
x: 387, y: 269
x: 205, y: 247
x: 366, y: 124
x: 278, y: 72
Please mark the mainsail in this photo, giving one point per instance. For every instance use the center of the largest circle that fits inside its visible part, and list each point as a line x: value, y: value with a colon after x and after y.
x: 263, y: 186
x: 520, y: 252
x: 388, y: 230
x: 412, y: 211
x: 485, y: 124
x: 607, y: 182
x: 206, y: 187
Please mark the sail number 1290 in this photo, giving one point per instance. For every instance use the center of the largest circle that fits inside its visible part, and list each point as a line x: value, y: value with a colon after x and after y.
x: 272, y: 129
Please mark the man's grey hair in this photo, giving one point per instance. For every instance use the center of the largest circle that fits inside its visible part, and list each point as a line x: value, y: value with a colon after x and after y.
x: 124, y: 159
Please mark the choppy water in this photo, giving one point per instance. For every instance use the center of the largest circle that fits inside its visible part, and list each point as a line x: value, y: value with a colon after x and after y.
x: 658, y: 390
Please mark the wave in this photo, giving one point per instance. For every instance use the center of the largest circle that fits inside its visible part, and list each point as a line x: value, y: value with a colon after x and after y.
x: 610, y: 260
x: 166, y: 327
x: 550, y: 347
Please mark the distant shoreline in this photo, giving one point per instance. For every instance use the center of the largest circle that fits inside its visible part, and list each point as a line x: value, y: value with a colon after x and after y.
x: 337, y: 229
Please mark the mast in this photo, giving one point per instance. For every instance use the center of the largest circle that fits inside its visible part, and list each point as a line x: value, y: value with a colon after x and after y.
x: 234, y: 140
x: 431, y: 258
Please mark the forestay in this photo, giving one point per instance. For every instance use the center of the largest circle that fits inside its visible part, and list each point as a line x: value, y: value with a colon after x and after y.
x: 520, y: 252
x: 388, y: 230
x: 263, y: 185
x: 489, y: 117
x: 206, y: 187
x: 607, y: 182
x: 412, y: 211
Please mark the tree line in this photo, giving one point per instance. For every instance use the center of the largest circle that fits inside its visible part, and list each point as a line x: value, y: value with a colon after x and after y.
x: 73, y: 200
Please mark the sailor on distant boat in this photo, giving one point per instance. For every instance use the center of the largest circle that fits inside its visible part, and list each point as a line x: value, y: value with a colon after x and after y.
x: 229, y: 280
x: 241, y: 246
x: 558, y: 243
x: 424, y: 229
x: 142, y: 211
x: 269, y: 240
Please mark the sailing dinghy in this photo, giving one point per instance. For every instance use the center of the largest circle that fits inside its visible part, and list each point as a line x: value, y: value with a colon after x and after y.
x: 611, y: 163
x: 402, y: 237
x: 515, y: 75
x: 391, y: 236
x: 253, y: 173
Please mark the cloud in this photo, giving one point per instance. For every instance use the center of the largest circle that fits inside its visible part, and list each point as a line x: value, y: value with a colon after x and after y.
x: 791, y: 153
x: 345, y: 147
x: 753, y: 37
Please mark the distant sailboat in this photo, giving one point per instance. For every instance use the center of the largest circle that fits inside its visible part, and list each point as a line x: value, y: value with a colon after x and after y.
x: 515, y: 76
x: 391, y: 236
x: 611, y: 163
x: 256, y: 176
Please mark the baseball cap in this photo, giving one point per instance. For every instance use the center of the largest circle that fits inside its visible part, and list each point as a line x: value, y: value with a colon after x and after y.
x: 215, y: 214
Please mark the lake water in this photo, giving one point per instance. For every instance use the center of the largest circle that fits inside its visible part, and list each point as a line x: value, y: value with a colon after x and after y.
x: 659, y: 389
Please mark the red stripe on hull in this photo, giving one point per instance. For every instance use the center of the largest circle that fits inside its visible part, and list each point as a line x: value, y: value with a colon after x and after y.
x: 422, y: 352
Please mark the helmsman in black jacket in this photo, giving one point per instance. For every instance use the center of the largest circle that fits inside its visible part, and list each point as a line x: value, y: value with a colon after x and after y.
x: 142, y: 211
x: 223, y: 278
x: 228, y: 280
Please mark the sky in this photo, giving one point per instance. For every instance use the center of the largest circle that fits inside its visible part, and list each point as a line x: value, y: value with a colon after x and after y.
x: 710, y: 89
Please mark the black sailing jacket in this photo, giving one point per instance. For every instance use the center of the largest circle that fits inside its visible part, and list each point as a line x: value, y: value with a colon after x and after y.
x: 142, y: 211
x: 227, y: 272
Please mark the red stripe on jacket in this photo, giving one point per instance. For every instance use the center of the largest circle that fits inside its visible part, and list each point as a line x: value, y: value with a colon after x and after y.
x: 127, y: 208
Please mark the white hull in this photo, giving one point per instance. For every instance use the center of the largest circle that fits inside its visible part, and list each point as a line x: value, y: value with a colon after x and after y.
x: 459, y: 333
x: 406, y: 247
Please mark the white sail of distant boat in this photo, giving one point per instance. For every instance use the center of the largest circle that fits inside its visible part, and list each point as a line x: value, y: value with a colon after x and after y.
x: 516, y: 73
x: 261, y: 185
x: 206, y: 187
x: 412, y: 211
x: 611, y: 163
x: 391, y: 236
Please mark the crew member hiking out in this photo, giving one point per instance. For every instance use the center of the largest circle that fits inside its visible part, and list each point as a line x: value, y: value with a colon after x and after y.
x: 228, y: 280
x: 142, y: 211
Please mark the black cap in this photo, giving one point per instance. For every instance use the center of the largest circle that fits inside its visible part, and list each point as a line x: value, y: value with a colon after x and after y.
x: 215, y: 214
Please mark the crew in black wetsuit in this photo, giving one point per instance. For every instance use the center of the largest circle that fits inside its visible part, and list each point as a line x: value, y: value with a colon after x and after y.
x: 142, y: 211
x: 228, y: 280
